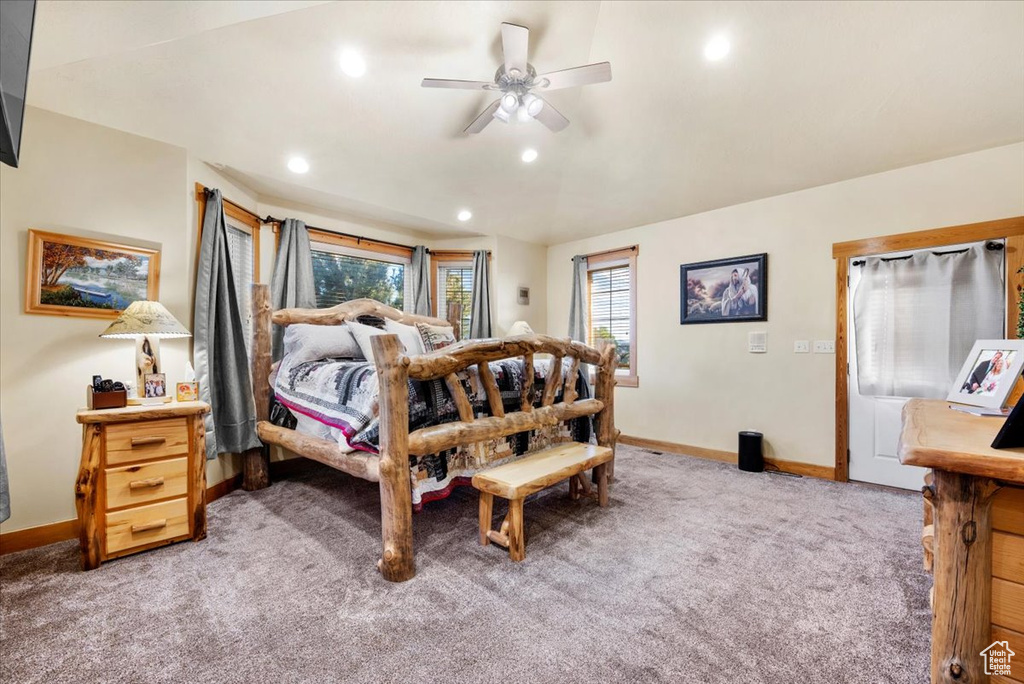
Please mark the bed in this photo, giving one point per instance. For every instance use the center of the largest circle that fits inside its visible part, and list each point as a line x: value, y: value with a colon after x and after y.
x: 479, y: 380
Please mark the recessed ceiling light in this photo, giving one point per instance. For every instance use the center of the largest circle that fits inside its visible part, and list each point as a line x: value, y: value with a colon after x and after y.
x: 529, y: 155
x: 298, y: 165
x: 352, y: 63
x: 465, y: 215
x: 716, y: 48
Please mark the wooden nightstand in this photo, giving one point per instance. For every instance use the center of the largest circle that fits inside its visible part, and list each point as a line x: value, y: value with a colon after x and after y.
x: 142, y: 481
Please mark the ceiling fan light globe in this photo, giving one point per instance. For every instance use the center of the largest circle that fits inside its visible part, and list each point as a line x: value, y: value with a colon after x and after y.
x: 532, y: 104
x: 501, y: 115
x: 523, y: 114
x: 509, y: 102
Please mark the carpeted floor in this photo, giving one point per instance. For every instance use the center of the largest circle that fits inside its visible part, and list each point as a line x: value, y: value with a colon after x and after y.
x: 696, y: 573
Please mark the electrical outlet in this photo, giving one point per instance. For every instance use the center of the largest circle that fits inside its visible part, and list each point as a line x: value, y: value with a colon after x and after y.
x: 824, y: 347
x: 801, y: 347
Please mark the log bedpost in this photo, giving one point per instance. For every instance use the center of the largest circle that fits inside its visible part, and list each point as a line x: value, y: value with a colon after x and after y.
x: 604, y: 391
x: 397, y: 563
x: 962, y: 570
x: 256, y: 462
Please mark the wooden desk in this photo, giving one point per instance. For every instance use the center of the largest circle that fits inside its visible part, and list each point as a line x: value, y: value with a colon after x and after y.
x: 977, y: 495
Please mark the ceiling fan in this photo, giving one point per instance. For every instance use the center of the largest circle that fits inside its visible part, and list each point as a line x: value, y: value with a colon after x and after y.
x: 519, y: 84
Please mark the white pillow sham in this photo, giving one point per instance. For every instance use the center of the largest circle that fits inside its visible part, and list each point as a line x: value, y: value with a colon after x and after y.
x: 304, y: 342
x: 408, y: 336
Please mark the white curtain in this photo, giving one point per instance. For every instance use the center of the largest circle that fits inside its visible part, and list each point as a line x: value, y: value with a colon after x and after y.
x: 916, y: 319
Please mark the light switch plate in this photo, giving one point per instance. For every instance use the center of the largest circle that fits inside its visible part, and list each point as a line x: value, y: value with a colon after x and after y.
x: 757, y: 342
x: 802, y: 347
x: 824, y: 347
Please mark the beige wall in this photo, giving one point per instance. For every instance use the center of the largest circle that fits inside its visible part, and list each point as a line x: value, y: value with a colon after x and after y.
x: 698, y: 384
x: 91, y: 181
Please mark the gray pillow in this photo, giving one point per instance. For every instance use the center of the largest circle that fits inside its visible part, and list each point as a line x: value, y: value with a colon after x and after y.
x: 304, y: 342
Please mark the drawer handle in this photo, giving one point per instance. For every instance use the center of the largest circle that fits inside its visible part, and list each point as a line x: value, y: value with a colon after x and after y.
x: 145, y: 527
x: 145, y: 441
x: 143, y: 484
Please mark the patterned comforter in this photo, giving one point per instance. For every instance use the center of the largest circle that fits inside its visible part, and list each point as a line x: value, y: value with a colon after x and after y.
x: 337, y: 399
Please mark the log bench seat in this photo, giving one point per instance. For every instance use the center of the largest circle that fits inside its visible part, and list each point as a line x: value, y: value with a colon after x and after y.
x: 530, y: 474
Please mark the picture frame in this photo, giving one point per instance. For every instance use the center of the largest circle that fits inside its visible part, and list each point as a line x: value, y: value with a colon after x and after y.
x: 523, y: 295
x: 74, y: 276
x: 730, y: 290
x: 155, y: 385
x: 988, y: 374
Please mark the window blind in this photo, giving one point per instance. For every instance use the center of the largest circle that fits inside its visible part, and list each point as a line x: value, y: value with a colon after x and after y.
x: 610, y: 311
x: 240, y: 251
x: 455, y: 284
x: 342, y: 277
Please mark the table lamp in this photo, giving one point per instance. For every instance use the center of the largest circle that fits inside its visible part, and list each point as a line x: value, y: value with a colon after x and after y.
x: 520, y: 328
x: 145, y: 322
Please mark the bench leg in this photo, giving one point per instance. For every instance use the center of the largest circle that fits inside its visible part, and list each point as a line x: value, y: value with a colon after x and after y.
x: 574, y: 488
x: 486, y: 510
x: 516, y: 541
x: 601, y: 475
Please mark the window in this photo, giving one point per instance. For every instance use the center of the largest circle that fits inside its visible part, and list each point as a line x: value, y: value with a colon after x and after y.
x: 343, y: 272
x: 611, y: 288
x: 452, y: 281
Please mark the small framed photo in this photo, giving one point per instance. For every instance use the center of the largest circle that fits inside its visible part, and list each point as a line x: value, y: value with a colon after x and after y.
x: 989, y: 373
x: 155, y: 385
x: 188, y: 391
x: 724, y: 291
x: 523, y: 296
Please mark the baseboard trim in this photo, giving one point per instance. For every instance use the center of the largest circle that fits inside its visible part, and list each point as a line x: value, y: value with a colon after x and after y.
x: 44, y: 535
x: 792, y: 467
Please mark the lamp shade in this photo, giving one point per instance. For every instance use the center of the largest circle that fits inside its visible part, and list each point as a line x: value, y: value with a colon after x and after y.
x: 520, y: 328
x: 145, y: 319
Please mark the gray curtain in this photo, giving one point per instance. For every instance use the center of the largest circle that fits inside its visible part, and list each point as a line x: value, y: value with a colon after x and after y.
x: 578, y: 301
x: 222, y: 366
x: 480, y: 314
x: 419, y: 271
x: 292, y: 284
x: 5, y: 491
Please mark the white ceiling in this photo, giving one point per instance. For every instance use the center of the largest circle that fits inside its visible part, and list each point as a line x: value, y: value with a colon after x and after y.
x: 812, y: 93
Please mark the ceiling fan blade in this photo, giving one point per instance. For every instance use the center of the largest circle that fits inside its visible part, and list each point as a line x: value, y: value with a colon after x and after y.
x: 577, y: 76
x: 551, y: 117
x: 486, y: 116
x: 515, y: 41
x: 454, y: 83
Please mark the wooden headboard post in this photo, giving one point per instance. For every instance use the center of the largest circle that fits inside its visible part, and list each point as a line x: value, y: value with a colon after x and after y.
x: 604, y: 391
x: 256, y: 462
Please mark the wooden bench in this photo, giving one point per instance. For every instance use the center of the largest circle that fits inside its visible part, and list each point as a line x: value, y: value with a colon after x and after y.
x: 517, y: 480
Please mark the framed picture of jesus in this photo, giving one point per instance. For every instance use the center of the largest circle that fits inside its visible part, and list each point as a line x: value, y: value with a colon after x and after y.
x: 724, y: 290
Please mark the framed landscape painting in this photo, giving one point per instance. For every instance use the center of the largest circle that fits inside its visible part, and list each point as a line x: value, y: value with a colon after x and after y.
x: 73, y: 276
x: 725, y: 290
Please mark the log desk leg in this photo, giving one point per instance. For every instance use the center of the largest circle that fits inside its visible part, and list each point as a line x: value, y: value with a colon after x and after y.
x: 963, y: 568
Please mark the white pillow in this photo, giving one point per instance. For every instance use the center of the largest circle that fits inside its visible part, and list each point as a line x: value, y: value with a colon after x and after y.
x: 409, y: 336
x: 411, y: 343
x: 304, y: 342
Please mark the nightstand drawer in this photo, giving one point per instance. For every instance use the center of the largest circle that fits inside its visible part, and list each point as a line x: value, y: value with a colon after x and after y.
x: 147, y: 524
x: 138, y: 484
x: 146, y: 440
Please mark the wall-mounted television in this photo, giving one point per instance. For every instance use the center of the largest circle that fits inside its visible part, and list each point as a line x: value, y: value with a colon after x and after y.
x: 16, y: 20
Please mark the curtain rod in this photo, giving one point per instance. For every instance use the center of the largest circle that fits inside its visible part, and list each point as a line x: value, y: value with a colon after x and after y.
x: 357, y: 238
x: 990, y: 246
x: 631, y: 248
x: 360, y: 238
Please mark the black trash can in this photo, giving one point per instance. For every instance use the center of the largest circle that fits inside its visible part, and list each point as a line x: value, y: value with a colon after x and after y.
x: 751, y: 456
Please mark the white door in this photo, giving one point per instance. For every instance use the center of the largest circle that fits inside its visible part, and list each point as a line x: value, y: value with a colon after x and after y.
x: 875, y: 424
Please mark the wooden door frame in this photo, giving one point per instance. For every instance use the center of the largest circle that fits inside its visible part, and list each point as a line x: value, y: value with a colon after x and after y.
x: 1010, y: 229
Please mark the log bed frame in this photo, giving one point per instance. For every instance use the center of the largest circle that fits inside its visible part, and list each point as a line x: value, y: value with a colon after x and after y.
x: 394, y: 369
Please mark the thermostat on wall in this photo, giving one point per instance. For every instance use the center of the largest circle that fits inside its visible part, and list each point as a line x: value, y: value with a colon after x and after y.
x: 757, y: 342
